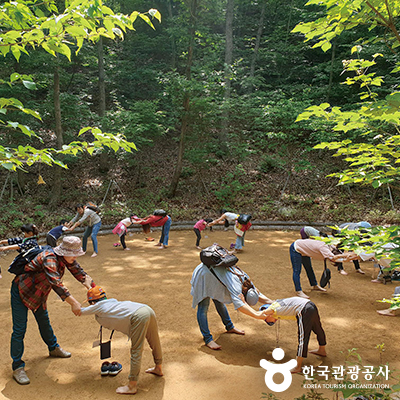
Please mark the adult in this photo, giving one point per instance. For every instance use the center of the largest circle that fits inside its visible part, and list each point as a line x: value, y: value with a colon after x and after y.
x: 85, y: 213
x: 307, y: 316
x: 223, y: 286
x: 29, y: 291
x: 301, y: 252
x: 351, y: 226
x: 137, y: 321
x: 156, y: 221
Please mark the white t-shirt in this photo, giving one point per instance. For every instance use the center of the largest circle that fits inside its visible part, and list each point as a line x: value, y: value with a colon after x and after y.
x: 231, y: 217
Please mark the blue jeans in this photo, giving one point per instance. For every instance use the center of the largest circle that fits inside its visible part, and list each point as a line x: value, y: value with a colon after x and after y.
x: 165, y: 232
x: 239, y: 242
x: 202, y: 310
x: 297, y: 261
x: 20, y: 317
x: 91, y: 231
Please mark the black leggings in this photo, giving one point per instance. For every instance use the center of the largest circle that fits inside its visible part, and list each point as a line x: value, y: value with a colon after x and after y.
x: 308, y: 320
x: 340, y: 265
x: 198, y: 234
x: 122, y: 240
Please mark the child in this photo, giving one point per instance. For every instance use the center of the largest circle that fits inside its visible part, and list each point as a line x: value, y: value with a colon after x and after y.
x: 54, y: 234
x: 307, y: 316
x: 121, y: 229
x: 22, y: 244
x: 200, y: 226
x: 135, y: 320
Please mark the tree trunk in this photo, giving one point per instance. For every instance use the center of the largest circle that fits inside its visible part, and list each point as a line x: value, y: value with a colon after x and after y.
x: 172, y: 36
x: 257, y: 44
x: 102, y: 87
x: 57, y: 186
x: 103, y: 157
x: 228, y: 73
x: 186, y: 102
x: 331, y: 71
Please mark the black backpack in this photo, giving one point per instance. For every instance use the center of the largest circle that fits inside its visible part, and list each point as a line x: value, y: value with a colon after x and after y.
x: 17, y: 267
x: 244, y: 219
x: 217, y: 256
x: 326, y: 277
x: 160, y: 213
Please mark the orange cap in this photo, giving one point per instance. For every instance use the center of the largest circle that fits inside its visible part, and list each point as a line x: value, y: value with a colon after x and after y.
x: 96, y: 293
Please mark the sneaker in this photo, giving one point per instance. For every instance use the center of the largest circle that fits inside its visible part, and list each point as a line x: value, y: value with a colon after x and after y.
x: 343, y: 272
x: 360, y: 271
x: 300, y: 293
x: 115, y: 368
x: 59, y: 352
x: 105, y: 368
x: 21, y: 377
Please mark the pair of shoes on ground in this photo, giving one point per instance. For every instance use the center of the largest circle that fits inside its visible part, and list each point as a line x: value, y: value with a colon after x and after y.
x: 112, y: 369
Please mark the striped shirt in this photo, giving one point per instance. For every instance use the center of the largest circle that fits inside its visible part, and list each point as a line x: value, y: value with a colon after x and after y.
x: 42, y: 274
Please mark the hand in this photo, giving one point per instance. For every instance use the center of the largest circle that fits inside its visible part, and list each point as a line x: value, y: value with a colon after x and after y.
x: 88, y: 283
x: 241, y: 297
x: 261, y: 314
x: 76, y: 309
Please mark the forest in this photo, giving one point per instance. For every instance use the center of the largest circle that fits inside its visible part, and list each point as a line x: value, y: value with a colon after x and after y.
x: 198, y: 105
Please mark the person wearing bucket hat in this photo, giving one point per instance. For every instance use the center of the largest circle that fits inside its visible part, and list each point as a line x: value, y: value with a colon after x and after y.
x: 29, y: 291
x: 137, y: 321
x: 223, y: 286
x: 307, y: 316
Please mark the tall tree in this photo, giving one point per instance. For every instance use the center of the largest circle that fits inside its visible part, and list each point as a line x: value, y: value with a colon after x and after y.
x: 230, y: 7
x: 186, y: 100
x: 26, y: 24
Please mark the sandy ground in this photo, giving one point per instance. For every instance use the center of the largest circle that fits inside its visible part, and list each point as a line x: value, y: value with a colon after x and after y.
x: 160, y: 278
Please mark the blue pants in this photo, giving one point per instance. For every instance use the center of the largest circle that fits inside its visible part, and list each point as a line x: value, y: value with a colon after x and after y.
x: 20, y: 318
x: 91, y: 231
x: 202, y: 310
x: 297, y: 261
x: 239, y: 242
x: 165, y: 232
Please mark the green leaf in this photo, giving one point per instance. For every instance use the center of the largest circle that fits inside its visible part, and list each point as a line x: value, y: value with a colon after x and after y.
x: 29, y: 85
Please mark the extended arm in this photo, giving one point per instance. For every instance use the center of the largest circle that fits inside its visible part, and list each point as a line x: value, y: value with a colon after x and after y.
x: 6, y: 248
x: 218, y: 220
x: 75, y: 305
x: 264, y: 299
x: 247, y: 310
